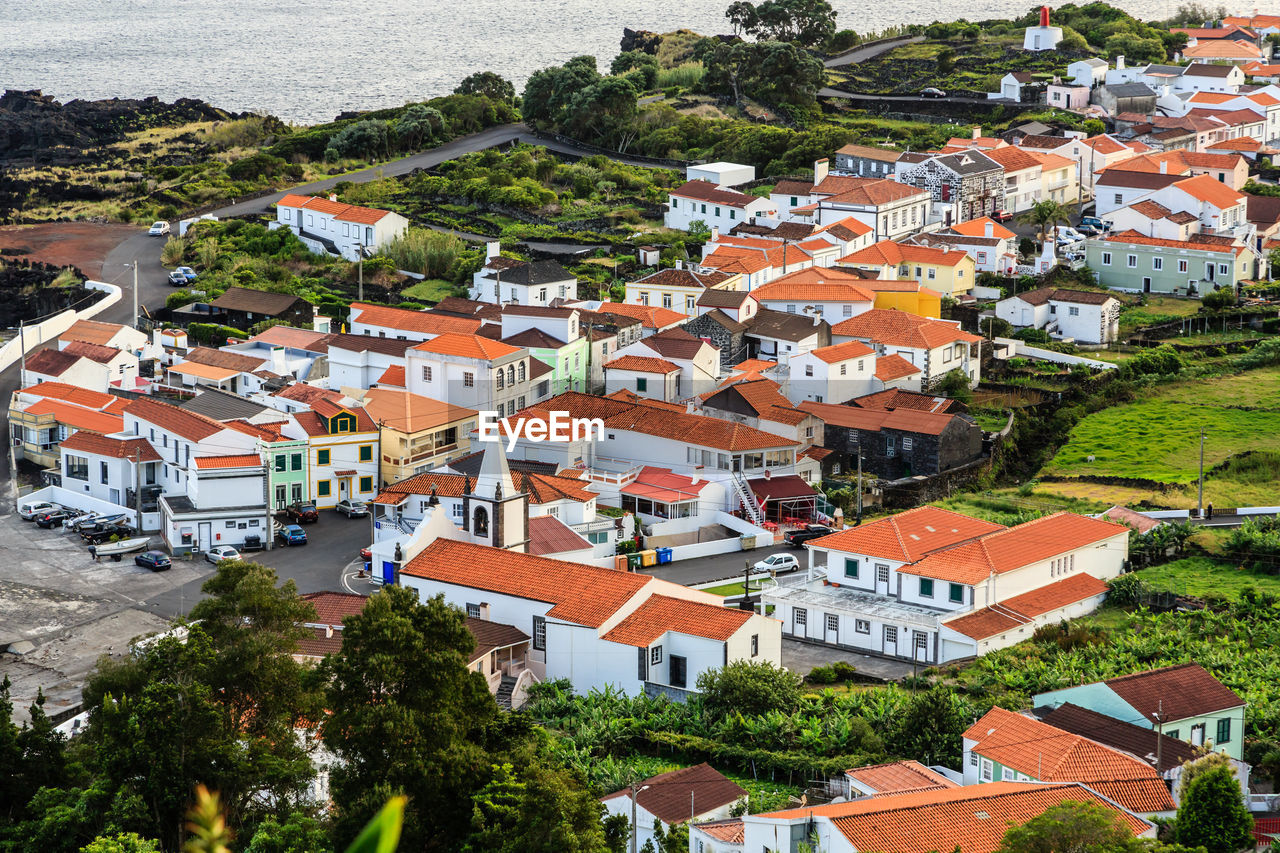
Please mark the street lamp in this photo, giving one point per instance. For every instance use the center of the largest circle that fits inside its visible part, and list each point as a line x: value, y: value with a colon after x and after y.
x: 634, y: 792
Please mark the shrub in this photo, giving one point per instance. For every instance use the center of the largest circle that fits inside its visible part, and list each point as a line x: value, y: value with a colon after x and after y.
x: 435, y: 254
x: 1220, y: 299
x: 1033, y: 336
x: 1162, y: 360
x: 174, y: 250
x: 749, y: 688
x: 365, y: 139
x: 262, y: 165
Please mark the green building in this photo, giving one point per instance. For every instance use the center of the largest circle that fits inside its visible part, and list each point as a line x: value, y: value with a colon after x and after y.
x: 288, y: 477
x: 1137, y: 264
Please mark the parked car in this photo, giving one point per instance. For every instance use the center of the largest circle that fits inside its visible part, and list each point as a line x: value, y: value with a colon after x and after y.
x: 156, y: 561
x: 366, y: 554
x: 302, y: 512
x: 931, y: 92
x: 799, y: 536
x: 188, y: 273
x: 158, y: 229
x: 1002, y: 216
x: 177, y: 279
x: 292, y: 534
x: 54, y: 517
x: 776, y: 563
x: 221, y: 552
x: 29, y: 511
x: 353, y: 509
x: 1096, y: 223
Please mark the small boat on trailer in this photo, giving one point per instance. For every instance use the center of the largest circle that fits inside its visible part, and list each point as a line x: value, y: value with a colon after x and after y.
x: 116, y: 550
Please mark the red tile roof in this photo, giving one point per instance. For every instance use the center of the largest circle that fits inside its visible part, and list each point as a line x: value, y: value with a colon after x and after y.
x: 333, y: 607
x: 1138, y: 239
x: 117, y: 448
x: 1014, y: 547
x: 243, y: 460
x: 730, y: 830
x: 92, y: 331
x: 402, y: 319
x: 71, y: 394
x: 978, y: 228
x: 467, y: 346
x: 585, y: 595
x: 1023, y: 609
x: 1048, y: 754
x: 1139, y: 522
x: 188, y: 425
x: 905, y: 420
x: 660, y: 614
x: 889, y: 253
x: 891, y: 367
x: 642, y: 364
x: 671, y: 797
x: 393, y: 376
x: 410, y: 413
x: 1186, y: 690
x: 650, y: 316
x: 96, y: 352
x: 50, y: 362
x: 843, y: 352
x: 1209, y: 189
x: 899, y: 777
x: 907, y: 536
x: 549, y: 535
x: 865, y: 191
x: 345, y: 212
x: 710, y: 193
x: 77, y: 416
x: 812, y: 289
x: 898, y: 328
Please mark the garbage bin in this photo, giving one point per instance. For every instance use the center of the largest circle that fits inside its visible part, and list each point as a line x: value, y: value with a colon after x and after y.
x: 748, y: 541
x: 620, y: 562
x: 649, y: 557
x: 664, y: 555
x: 633, y: 562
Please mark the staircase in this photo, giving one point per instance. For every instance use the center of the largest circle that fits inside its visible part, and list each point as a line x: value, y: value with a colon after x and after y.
x: 748, y: 499
x: 505, y: 689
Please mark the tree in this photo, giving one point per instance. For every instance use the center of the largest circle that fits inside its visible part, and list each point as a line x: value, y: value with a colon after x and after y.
x: 698, y: 230
x: 489, y: 84
x: 366, y: 139
x: 946, y: 61
x: 750, y: 688
x: 407, y: 716
x: 300, y: 833
x: 1212, y: 814
x: 930, y: 728
x: 417, y: 124
x: 1072, y: 827
x: 1045, y: 215
x: 1134, y: 48
x: 535, y: 810
x: 1072, y: 40
x: 809, y: 23
x: 1220, y: 299
x: 125, y: 842
x: 774, y: 72
x: 603, y: 112
x: 549, y: 91
x: 644, y: 64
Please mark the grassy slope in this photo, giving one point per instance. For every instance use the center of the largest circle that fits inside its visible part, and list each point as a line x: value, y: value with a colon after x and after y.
x: 1201, y: 576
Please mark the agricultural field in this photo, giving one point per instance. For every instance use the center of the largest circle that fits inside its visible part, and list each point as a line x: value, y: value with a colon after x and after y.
x: 1157, y: 309
x: 1203, y: 576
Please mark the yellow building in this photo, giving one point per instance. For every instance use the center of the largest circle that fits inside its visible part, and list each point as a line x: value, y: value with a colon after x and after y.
x: 417, y: 433
x: 679, y: 289
x: 344, y: 452
x: 906, y: 296
x: 949, y: 272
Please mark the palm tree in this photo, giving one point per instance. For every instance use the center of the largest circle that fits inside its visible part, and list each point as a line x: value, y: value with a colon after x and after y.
x: 1045, y: 215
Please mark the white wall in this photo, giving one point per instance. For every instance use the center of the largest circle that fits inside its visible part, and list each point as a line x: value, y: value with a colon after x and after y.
x: 1022, y: 314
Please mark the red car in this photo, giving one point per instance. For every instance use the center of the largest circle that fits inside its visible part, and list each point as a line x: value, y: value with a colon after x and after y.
x: 302, y: 512
x: 1002, y: 216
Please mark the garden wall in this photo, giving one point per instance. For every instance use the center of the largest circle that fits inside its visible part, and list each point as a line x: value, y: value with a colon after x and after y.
x: 40, y: 333
x: 1019, y: 348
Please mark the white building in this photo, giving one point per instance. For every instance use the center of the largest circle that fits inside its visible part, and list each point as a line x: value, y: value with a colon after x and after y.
x: 476, y: 372
x: 932, y: 586
x: 937, y: 347
x: 699, y: 361
x: 112, y: 469
x: 697, y: 793
x: 651, y: 377
x: 1080, y: 315
x: 833, y: 374
x: 383, y: 321
x: 327, y: 225
x: 1044, y: 36
x: 721, y: 174
x: 1088, y: 72
x: 833, y: 295
x: 502, y: 280
x: 715, y: 207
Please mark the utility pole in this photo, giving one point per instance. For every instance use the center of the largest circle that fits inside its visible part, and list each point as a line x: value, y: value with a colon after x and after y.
x: 858, y: 517
x: 634, y: 792
x: 134, y: 321
x: 360, y: 268
x: 1159, y: 715
x: 137, y: 485
x: 1200, y: 489
x: 22, y: 351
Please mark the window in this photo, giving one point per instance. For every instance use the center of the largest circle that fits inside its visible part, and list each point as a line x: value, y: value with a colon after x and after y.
x: 850, y: 567
x: 642, y: 384
x: 1073, y: 311
x: 882, y: 573
x: 501, y: 384
x: 473, y: 610
x: 891, y: 634
x: 800, y: 616
x: 426, y: 373
x: 861, y: 626
x: 322, y: 457
x: 926, y: 587
x: 655, y: 655
x: 755, y: 645
x: 986, y: 770
x: 666, y: 300
x: 468, y: 380
x: 1182, y: 266
x: 366, y: 453
x: 847, y: 310
x: 521, y: 374
x: 956, y: 593
x: 322, y: 488
x: 933, y: 273
x: 1119, y: 199
x: 1131, y: 261
x: 907, y: 442
x: 1224, y: 732
x: 1173, y: 733
x: 808, y: 370
x: 1223, y: 269
x: 77, y: 467
x: 1106, y: 259
x: 295, y: 462
x: 539, y: 633
x: 366, y: 484
x: 1157, y: 263
x: 833, y: 622
x: 808, y: 432
x: 973, y: 759
x: 103, y: 472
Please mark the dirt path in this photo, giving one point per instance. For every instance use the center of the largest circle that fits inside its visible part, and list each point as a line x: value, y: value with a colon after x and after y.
x: 79, y: 244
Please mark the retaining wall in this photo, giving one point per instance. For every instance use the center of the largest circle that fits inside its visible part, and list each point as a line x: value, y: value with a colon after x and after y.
x: 36, y: 334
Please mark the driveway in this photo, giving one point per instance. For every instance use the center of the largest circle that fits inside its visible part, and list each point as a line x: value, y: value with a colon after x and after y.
x: 869, y: 51
x: 728, y: 567
x: 803, y: 657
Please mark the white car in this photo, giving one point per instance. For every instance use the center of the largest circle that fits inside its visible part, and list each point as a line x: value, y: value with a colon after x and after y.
x: 776, y: 563
x: 29, y: 511
x: 1069, y: 235
x: 158, y: 229
x: 221, y: 552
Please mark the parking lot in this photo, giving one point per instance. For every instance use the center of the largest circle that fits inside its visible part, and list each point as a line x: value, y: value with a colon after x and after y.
x: 60, y: 610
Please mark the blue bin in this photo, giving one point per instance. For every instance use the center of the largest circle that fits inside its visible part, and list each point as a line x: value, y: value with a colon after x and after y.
x: 664, y: 555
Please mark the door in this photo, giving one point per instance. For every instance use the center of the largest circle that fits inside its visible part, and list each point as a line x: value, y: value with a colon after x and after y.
x: 297, y: 492
x: 281, y: 497
x: 115, y: 496
x: 920, y: 646
x: 1208, y: 271
x: 205, y: 539
x: 800, y: 622
x: 882, y: 579
x: 678, y: 669
x: 1146, y: 284
x: 1197, y: 734
x: 890, y: 640
x: 342, y: 488
x: 833, y: 629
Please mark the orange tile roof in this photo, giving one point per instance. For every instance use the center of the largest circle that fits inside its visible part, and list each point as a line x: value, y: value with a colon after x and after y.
x: 891, y: 367
x: 856, y: 226
x: 642, y: 364
x: 1104, y: 144
x: 1240, y: 143
x: 978, y: 228
x: 1211, y: 98
x: 467, y: 346
x: 71, y: 394
x: 866, y: 191
x: 1022, y: 609
x: 189, y: 425
x: 755, y: 365
x: 889, y: 253
x: 818, y: 290
x: 585, y: 595
x: 1208, y: 189
x: 345, y: 212
x: 92, y: 331
x: 204, y: 371
x: 96, y: 352
x: 393, y: 376
x: 729, y: 830
x: 764, y: 396
x: 1185, y: 690
x: 1221, y: 49
x: 843, y: 352
x: 117, y: 448
x: 728, y: 261
x: 899, y: 777
x: 1013, y: 159
x: 973, y: 818
x: 1140, y: 239
x: 77, y: 416
x: 710, y: 193
x: 898, y: 328
x: 1049, y: 754
x: 242, y: 460
x: 660, y: 614
x: 905, y: 419
x: 410, y: 413
x: 907, y: 536
x: 1049, y: 160
x: 423, y: 322
x: 650, y: 316
x: 1256, y: 21
x: 1014, y: 547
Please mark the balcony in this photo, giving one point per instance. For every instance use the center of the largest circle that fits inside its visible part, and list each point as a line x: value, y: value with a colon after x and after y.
x: 618, y: 472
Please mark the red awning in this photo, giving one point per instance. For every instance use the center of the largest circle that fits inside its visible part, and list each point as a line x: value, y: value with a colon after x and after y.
x: 780, y: 488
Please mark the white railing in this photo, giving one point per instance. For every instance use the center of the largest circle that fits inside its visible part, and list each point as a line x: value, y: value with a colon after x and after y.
x: 1263, y: 802
x: 748, y: 498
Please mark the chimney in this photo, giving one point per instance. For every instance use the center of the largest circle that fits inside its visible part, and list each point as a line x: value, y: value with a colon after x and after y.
x: 1044, y: 16
x: 1120, y: 62
x: 1164, y: 167
x: 820, y: 170
x: 977, y: 131
x: 328, y: 632
x: 277, y: 361
x: 484, y: 610
x: 715, y: 233
x: 988, y: 229
x: 817, y: 317
x: 333, y: 197
x: 492, y: 249
x: 679, y: 264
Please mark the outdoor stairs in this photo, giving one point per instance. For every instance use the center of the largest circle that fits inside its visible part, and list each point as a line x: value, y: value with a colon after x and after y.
x: 505, y: 689
x: 748, y: 499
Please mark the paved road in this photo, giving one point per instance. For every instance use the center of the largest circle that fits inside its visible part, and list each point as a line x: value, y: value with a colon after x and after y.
x: 828, y: 92
x: 871, y: 51
x: 730, y: 566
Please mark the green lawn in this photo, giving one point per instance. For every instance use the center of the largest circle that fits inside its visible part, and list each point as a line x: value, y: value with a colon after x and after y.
x: 429, y: 290
x: 1201, y: 576
x: 730, y: 589
x: 1159, y: 309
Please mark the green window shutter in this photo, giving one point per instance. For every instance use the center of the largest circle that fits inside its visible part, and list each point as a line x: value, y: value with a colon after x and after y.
x: 322, y: 488
x: 1224, y: 731
x: 366, y: 452
x: 926, y: 587
x: 957, y: 593
x: 297, y: 462
x: 850, y: 567
x: 322, y: 457
x: 366, y: 484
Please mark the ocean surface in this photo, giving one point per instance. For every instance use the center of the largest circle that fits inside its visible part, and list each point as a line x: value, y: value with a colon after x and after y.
x: 307, y: 60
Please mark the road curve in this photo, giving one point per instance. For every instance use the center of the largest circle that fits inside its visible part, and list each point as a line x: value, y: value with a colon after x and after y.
x: 869, y: 51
